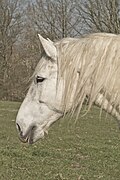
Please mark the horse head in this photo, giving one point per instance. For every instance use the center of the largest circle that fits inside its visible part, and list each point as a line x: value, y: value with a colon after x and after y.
x: 41, y: 106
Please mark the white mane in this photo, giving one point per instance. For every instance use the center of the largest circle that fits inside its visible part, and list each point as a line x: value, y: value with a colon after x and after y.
x: 94, y: 61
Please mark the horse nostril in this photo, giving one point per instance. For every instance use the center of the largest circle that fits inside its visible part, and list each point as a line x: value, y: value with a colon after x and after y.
x: 19, y: 129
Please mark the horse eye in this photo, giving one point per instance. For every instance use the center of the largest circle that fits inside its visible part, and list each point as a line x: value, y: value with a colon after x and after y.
x: 39, y: 79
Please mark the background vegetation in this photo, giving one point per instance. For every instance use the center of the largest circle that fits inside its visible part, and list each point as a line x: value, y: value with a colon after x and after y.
x: 86, y: 150
x: 21, y: 21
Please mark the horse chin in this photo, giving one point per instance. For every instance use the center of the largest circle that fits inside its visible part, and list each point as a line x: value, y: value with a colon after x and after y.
x: 32, y: 140
x: 37, y: 135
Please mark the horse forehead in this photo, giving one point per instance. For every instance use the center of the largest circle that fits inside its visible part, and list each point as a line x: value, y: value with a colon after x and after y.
x: 46, y: 67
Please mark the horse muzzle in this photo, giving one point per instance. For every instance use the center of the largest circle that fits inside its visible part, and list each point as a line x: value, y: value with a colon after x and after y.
x: 28, y: 137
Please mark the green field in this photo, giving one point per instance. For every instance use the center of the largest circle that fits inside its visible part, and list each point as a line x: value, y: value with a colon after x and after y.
x: 86, y: 150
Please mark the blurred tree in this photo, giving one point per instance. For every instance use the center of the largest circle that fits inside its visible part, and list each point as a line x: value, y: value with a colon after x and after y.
x: 10, y: 28
x: 100, y: 15
x: 55, y: 19
x: 20, y: 21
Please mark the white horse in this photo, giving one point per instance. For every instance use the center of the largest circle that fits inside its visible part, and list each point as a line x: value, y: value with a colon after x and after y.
x: 69, y: 71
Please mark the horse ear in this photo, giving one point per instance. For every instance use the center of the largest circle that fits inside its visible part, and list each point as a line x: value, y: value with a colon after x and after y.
x: 49, y: 47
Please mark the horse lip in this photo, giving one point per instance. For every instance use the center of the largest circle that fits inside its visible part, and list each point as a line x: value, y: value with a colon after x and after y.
x: 22, y: 139
x: 28, y: 137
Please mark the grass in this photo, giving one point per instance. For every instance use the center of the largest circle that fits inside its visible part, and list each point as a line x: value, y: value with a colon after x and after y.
x: 86, y: 150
